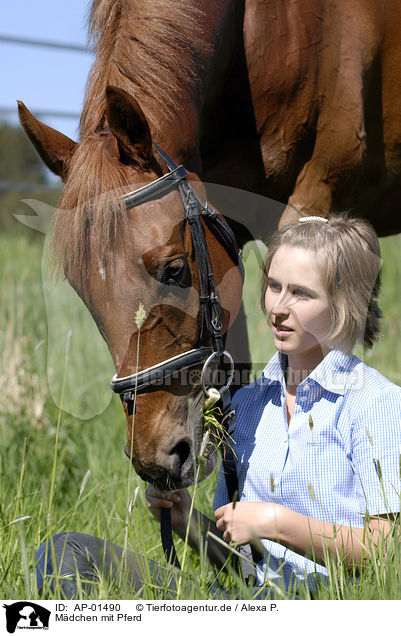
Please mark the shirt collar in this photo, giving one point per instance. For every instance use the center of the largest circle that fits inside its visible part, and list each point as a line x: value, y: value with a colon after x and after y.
x: 275, y: 368
x: 332, y: 373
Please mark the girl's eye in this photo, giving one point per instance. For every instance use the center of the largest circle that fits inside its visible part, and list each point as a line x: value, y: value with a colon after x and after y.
x: 274, y: 286
x: 300, y: 292
x: 173, y: 272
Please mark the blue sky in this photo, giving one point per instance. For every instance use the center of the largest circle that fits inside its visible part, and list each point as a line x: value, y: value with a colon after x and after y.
x: 44, y: 78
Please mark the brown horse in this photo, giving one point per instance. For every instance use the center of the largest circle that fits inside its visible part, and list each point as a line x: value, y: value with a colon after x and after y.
x: 118, y: 259
x: 289, y: 99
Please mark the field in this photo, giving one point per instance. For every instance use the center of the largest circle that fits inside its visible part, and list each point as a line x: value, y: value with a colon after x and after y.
x: 62, y: 434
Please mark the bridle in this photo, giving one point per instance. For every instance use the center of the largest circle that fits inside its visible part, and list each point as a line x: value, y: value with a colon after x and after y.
x: 211, y: 315
x: 195, y: 209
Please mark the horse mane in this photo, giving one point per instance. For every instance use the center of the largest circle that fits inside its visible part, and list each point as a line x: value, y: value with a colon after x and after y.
x: 153, y: 49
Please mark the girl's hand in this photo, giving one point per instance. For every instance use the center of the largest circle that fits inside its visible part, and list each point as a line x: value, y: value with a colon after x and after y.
x: 247, y: 521
x: 179, y: 502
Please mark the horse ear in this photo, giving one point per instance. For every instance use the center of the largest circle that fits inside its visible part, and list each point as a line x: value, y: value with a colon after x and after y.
x: 129, y: 126
x: 54, y: 148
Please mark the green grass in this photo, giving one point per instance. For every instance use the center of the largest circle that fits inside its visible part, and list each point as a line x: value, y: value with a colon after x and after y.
x: 46, y: 452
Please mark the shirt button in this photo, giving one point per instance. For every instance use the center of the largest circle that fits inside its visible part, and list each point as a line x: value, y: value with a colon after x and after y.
x: 306, y: 387
x: 303, y: 398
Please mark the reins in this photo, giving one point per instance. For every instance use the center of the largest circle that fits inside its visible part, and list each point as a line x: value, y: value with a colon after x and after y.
x: 211, y: 317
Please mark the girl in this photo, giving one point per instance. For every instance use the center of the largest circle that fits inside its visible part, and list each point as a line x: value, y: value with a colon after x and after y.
x: 318, y: 436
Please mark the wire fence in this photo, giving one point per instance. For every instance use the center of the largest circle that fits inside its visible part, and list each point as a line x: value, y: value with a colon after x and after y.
x: 8, y: 113
x: 76, y: 48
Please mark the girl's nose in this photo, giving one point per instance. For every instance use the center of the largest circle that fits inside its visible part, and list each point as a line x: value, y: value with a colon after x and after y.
x: 277, y: 312
x: 283, y: 303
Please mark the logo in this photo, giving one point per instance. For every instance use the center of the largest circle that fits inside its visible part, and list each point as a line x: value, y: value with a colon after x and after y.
x: 26, y: 615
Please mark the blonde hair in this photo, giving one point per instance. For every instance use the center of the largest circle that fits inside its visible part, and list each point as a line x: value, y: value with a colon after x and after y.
x: 347, y: 251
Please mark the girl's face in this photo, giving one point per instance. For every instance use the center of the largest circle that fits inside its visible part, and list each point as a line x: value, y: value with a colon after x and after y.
x: 297, y: 303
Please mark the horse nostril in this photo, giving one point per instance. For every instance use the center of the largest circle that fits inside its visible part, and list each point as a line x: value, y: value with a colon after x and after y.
x: 182, y: 451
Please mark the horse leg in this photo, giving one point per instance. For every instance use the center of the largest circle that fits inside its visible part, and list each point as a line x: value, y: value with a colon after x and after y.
x: 337, y: 155
x: 347, y: 52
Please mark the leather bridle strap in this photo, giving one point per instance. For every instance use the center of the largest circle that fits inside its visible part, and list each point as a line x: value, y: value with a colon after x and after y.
x: 158, y: 374
x: 211, y: 315
x: 155, y: 190
x: 211, y: 319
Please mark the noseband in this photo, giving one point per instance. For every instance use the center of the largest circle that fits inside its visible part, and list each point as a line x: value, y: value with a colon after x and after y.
x: 211, y: 315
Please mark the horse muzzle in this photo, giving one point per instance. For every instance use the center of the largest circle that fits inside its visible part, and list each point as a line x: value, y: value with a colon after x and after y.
x: 178, y: 457
x: 171, y: 468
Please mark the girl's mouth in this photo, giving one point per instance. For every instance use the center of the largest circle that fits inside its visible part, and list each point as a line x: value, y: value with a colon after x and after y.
x: 280, y: 330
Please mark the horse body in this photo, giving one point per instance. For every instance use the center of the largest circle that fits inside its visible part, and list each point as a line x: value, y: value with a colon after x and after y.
x: 308, y: 113
x: 323, y: 77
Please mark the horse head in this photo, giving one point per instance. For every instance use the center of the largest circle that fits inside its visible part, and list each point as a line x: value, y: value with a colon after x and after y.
x: 136, y: 270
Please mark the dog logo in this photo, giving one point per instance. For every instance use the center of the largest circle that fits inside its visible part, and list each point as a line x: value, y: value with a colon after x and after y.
x: 26, y: 615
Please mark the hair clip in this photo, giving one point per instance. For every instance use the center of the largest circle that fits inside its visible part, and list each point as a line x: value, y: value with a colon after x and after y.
x: 312, y: 218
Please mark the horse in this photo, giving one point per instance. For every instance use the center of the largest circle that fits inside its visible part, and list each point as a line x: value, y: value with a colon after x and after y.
x: 294, y: 101
x: 120, y: 235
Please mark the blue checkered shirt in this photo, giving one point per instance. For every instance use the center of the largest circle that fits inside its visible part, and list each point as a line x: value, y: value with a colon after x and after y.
x: 339, y: 458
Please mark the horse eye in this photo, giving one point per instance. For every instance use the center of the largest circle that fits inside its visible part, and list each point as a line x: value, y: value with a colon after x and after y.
x: 173, y: 272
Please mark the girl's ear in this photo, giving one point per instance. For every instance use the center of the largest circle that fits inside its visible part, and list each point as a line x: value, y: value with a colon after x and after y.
x: 54, y: 148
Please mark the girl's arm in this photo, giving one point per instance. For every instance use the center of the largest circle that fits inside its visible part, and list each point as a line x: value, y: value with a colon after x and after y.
x: 311, y: 537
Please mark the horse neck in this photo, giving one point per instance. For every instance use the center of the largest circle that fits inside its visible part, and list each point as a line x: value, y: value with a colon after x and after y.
x: 171, y: 92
